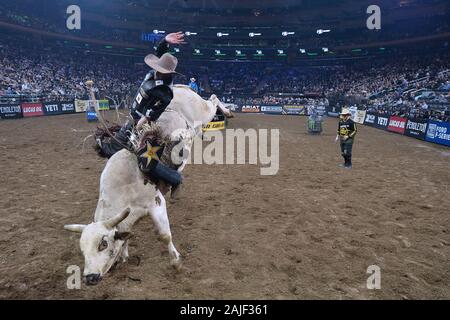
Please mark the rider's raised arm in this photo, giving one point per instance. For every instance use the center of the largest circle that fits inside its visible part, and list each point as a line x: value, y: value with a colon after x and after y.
x: 171, y: 38
x: 163, y: 47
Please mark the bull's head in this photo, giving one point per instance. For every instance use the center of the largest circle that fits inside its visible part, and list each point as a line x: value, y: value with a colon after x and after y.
x: 101, y: 244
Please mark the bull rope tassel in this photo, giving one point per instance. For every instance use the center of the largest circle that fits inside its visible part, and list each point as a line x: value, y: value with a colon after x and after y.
x: 89, y: 85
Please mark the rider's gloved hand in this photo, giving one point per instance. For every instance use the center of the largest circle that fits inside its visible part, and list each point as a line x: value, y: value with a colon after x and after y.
x: 141, y: 122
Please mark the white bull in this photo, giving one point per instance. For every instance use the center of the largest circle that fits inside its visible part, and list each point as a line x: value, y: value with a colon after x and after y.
x: 124, y: 198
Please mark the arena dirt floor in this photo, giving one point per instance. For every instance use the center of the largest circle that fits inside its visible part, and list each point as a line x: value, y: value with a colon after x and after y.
x: 309, y: 232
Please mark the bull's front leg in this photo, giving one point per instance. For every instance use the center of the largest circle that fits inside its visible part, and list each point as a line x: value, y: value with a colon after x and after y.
x: 124, y: 254
x: 161, y: 221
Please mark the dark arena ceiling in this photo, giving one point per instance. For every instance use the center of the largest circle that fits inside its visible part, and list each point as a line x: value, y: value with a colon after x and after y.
x: 245, y: 30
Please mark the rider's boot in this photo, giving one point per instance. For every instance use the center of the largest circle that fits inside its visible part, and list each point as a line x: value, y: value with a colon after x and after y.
x: 161, y: 172
x: 117, y: 143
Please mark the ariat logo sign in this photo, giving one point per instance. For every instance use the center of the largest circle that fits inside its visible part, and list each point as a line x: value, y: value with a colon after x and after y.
x: 250, y: 109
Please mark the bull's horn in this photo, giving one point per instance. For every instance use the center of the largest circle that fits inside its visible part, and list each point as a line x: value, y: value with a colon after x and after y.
x: 114, y: 221
x: 75, y: 227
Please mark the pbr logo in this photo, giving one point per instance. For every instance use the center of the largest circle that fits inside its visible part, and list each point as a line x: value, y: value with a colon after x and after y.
x: 67, y: 107
x: 370, y: 118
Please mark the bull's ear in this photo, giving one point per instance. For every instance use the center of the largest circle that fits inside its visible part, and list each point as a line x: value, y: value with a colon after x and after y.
x: 122, y: 235
x: 75, y: 227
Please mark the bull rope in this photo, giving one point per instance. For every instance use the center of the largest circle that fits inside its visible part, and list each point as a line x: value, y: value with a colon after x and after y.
x: 89, y: 84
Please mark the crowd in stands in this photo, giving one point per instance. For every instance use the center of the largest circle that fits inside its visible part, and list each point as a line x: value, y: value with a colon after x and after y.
x: 53, y: 74
x: 409, y: 86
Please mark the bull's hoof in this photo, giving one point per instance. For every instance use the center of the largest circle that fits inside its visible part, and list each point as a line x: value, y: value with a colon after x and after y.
x: 176, y: 264
x: 175, y: 193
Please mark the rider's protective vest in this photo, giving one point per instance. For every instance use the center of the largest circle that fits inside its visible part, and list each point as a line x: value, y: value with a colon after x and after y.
x: 153, y: 97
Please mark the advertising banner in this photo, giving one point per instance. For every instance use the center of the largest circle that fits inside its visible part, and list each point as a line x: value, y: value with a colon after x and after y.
x: 371, y: 119
x: 67, y: 107
x: 272, y: 109
x: 382, y: 121
x: 416, y: 128
x: 10, y: 111
x: 321, y: 110
x: 103, y: 105
x: 212, y: 126
x: 438, y: 132
x: 353, y: 110
x: 397, y: 124
x: 296, y: 110
x: 52, y: 108
x: 250, y: 109
x: 81, y: 105
x: 359, y: 116
x: 32, y: 109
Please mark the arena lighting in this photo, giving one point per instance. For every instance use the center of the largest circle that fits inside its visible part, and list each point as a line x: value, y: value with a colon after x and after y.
x: 238, y: 52
x: 176, y: 49
x: 188, y: 33
x: 252, y: 34
x: 258, y: 52
x: 302, y: 51
x: 320, y: 31
x: 286, y: 33
x: 280, y: 51
x: 197, y: 52
x: 220, y: 34
x: 158, y: 31
x: 325, y: 49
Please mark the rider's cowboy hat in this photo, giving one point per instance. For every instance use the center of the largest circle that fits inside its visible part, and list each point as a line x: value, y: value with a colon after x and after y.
x: 165, y: 65
x: 345, y: 111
